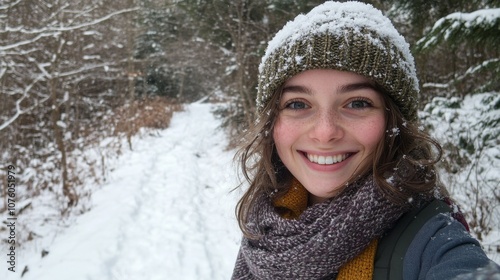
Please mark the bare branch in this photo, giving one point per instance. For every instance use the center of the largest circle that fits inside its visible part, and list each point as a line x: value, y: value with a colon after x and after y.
x: 56, y: 29
x: 20, y: 111
x: 8, y: 6
x: 25, y: 42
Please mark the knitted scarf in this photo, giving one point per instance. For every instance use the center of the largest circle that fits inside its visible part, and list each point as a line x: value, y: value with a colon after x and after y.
x: 323, y: 238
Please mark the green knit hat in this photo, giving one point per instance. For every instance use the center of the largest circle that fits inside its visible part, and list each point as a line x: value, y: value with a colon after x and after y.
x: 348, y: 36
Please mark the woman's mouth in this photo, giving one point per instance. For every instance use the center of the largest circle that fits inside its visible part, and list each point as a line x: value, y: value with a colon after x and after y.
x: 324, y: 160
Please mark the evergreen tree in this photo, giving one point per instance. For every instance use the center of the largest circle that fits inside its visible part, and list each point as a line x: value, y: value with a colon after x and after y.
x: 480, y: 30
x: 468, y: 116
x: 442, y: 65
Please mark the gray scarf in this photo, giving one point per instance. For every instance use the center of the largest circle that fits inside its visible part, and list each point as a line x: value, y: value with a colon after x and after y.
x: 321, y: 240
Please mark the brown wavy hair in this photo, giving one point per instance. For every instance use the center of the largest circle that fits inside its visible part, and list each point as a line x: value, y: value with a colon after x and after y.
x: 403, y: 165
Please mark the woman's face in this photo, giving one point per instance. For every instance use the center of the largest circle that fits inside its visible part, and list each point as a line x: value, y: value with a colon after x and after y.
x: 328, y: 127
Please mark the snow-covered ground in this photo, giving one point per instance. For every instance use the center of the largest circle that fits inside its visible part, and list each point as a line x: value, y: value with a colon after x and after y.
x: 167, y: 212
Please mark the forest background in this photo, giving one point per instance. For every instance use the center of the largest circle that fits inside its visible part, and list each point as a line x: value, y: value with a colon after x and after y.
x: 88, y: 75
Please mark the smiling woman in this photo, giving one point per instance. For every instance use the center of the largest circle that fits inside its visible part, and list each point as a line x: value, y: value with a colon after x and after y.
x: 341, y: 178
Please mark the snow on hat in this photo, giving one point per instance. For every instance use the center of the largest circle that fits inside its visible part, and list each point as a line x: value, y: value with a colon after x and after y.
x: 348, y: 36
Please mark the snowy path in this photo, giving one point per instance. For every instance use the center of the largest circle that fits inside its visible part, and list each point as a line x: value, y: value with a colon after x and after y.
x: 165, y: 213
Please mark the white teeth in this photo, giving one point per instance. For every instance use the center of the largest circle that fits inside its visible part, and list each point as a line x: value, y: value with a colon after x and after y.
x: 326, y: 159
x: 321, y: 160
x: 329, y: 160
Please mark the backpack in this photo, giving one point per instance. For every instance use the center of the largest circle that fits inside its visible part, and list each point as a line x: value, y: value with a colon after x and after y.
x: 392, y: 247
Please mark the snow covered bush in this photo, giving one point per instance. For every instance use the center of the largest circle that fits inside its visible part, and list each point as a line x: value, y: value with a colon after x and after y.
x: 154, y: 112
x: 469, y: 131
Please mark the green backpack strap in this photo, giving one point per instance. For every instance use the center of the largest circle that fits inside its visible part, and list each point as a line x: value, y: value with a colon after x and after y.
x: 392, y: 247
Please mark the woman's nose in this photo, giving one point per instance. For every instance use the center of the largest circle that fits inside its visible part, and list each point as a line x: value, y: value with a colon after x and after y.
x: 327, y: 127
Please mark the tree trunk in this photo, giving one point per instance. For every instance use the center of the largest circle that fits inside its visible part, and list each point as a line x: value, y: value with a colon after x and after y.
x: 240, y: 57
x: 55, y: 116
x: 182, y: 76
x: 130, y: 74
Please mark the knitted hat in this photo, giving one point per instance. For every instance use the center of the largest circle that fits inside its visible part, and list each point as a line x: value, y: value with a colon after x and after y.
x: 348, y: 36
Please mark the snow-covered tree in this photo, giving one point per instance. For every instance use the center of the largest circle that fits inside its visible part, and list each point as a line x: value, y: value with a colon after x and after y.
x: 479, y: 29
x: 58, y: 58
x: 467, y: 121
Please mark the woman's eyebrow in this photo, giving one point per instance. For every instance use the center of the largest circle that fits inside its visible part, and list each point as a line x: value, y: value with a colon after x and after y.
x: 356, y: 86
x: 341, y: 89
x: 296, y: 89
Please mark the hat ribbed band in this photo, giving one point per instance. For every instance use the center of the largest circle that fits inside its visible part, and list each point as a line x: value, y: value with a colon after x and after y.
x: 356, y: 52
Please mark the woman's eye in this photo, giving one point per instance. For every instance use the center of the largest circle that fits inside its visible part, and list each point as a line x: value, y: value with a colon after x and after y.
x: 359, y: 104
x: 296, y: 105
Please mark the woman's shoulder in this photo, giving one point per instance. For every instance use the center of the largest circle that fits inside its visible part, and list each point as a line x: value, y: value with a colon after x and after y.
x: 444, y: 249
